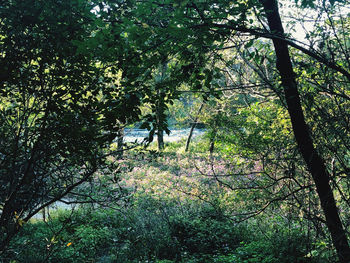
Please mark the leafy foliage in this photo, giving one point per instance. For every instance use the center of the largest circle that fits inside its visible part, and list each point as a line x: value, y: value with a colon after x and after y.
x: 74, y: 73
x: 153, y: 231
x: 60, y: 106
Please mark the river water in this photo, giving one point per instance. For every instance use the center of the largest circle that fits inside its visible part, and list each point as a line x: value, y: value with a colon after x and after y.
x: 132, y: 135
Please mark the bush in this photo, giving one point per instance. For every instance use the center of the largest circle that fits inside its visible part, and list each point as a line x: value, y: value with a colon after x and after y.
x: 155, y: 230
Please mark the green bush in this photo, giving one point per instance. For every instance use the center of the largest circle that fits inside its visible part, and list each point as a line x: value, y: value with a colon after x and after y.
x: 267, y: 251
x: 158, y: 231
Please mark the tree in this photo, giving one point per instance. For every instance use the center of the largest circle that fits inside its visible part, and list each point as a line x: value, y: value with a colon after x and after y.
x: 158, y: 105
x: 312, y: 158
x: 60, y: 105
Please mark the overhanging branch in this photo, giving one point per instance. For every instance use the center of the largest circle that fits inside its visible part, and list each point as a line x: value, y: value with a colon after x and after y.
x: 289, y: 42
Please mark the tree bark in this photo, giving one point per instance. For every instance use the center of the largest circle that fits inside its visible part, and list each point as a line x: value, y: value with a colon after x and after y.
x: 161, y: 107
x: 120, y: 143
x: 315, y: 163
x: 212, y: 145
x: 160, y: 137
x: 160, y: 120
x: 192, y: 128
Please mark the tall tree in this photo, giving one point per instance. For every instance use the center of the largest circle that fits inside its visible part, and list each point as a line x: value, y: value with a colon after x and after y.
x: 312, y: 158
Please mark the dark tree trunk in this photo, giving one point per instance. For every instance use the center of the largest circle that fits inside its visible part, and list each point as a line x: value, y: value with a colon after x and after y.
x: 44, y: 214
x: 212, y: 145
x: 192, y: 128
x: 161, y: 119
x: 161, y: 106
x: 212, y: 142
x: 160, y: 136
x: 312, y: 158
x: 120, y: 142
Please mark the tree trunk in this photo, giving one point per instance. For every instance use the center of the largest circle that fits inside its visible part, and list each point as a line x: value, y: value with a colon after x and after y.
x: 160, y: 120
x: 160, y: 136
x: 212, y: 145
x: 161, y: 107
x: 193, y: 127
x: 212, y: 142
x: 44, y: 214
x: 120, y: 141
x: 312, y: 158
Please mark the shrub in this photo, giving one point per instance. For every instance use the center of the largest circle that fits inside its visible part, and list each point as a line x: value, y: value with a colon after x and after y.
x: 156, y: 231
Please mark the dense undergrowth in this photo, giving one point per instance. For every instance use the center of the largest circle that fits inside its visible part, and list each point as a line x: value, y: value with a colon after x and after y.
x: 176, y: 212
x: 157, y: 232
